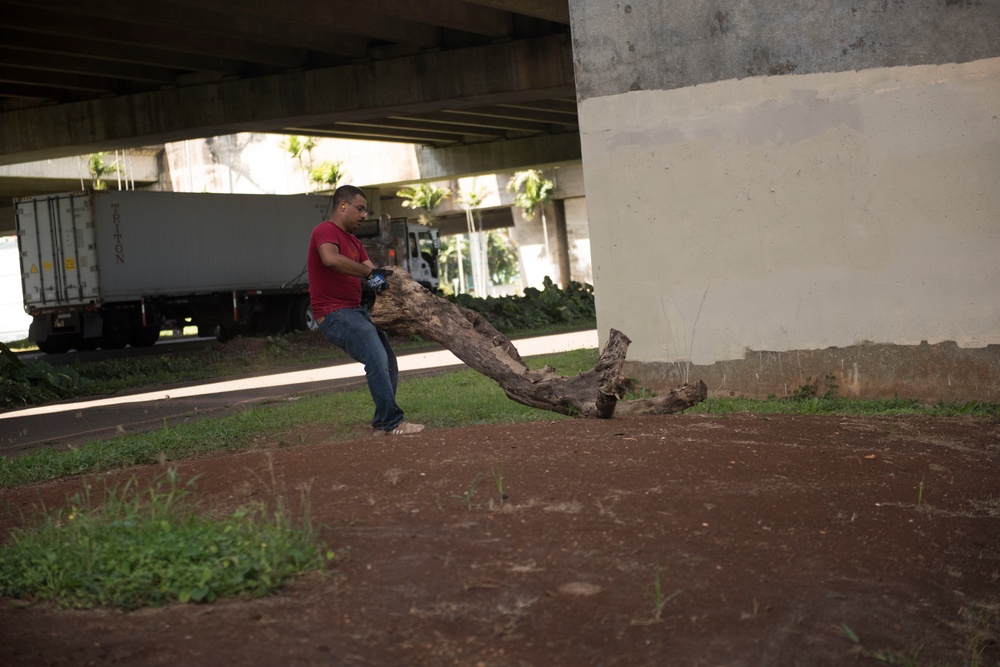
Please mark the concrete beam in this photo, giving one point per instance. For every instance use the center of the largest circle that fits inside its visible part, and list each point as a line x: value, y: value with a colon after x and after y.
x: 506, y: 72
x: 656, y: 45
x: 64, y: 175
x: 139, y: 167
x: 339, y: 21
x: 550, y: 10
x: 498, y: 156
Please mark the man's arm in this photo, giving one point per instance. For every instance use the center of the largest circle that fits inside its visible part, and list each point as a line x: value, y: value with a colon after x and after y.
x: 329, y: 253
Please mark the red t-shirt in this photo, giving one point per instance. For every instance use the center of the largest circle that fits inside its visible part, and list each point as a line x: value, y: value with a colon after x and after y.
x: 328, y: 289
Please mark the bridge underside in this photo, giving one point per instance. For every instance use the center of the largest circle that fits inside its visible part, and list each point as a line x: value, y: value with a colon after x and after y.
x: 480, y: 84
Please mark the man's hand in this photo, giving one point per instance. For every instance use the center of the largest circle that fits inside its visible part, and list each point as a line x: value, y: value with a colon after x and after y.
x: 376, y: 279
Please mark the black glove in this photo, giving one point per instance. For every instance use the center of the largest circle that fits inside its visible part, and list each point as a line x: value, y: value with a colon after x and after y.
x: 367, y: 297
x: 376, y: 279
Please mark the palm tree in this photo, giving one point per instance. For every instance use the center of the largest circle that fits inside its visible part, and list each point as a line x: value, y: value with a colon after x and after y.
x: 301, y: 149
x: 532, y: 192
x: 98, y: 170
x: 472, y: 199
x: 423, y: 196
x: 327, y: 175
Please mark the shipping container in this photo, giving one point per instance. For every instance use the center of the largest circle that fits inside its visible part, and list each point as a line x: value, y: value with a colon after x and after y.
x: 112, y: 268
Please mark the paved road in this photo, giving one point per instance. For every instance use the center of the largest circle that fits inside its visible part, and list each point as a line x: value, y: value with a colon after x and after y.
x: 75, y: 422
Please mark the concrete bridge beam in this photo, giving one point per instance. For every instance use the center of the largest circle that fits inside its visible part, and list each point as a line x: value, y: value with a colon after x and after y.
x: 506, y: 72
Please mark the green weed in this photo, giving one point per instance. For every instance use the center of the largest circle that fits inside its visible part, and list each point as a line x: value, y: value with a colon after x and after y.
x: 660, y: 599
x: 470, y: 492
x: 886, y: 656
x: 497, y: 474
x: 133, y: 548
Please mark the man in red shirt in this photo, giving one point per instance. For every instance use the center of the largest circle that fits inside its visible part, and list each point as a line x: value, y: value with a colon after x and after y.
x: 337, y: 264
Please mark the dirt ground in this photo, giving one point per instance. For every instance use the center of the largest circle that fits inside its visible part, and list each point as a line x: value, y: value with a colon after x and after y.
x: 767, y: 536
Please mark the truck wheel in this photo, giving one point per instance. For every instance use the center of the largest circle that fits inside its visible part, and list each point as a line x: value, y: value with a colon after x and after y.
x: 300, y: 317
x: 56, y: 344
x: 87, y: 344
x: 115, y: 332
x: 226, y: 331
x: 144, y: 337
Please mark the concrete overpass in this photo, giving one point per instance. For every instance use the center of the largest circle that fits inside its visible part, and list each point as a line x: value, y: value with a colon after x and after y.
x: 480, y: 85
x: 809, y: 187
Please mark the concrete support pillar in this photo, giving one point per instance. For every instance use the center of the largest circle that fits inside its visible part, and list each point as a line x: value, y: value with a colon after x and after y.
x: 791, y: 176
x: 561, y: 250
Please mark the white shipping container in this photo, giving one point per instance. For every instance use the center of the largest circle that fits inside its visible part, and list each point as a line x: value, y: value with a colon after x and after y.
x: 117, y: 246
x: 58, y: 256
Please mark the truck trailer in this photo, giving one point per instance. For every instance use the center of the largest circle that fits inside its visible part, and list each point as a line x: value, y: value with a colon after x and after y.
x: 113, y: 268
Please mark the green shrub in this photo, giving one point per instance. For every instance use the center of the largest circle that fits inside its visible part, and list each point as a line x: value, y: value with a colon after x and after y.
x: 36, y: 381
x: 134, y: 549
x: 537, y: 309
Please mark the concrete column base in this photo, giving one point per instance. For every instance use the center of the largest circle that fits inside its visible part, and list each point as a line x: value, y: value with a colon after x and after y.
x: 929, y: 373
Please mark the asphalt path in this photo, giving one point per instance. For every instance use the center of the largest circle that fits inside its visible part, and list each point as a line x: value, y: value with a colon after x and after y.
x: 72, y: 423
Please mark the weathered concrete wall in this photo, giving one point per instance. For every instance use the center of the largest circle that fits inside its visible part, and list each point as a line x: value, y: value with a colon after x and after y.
x: 655, y: 45
x: 732, y: 209
x: 928, y: 373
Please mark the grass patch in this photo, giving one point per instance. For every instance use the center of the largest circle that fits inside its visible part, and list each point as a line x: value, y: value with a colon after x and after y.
x: 452, y: 399
x: 34, y: 384
x: 22, y: 345
x: 460, y: 398
x: 238, y: 357
x: 837, y: 405
x: 135, y: 548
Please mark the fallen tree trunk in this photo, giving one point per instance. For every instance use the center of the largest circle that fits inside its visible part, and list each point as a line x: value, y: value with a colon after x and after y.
x: 406, y: 308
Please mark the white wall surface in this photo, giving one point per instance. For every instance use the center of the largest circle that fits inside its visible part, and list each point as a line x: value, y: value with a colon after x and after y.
x: 14, y: 322
x: 798, y: 212
x: 251, y: 163
x: 578, y: 236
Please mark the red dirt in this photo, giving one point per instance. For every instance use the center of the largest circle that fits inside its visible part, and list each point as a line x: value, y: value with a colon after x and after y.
x: 769, y: 534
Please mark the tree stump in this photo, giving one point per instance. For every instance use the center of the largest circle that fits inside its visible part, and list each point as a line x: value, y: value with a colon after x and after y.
x: 407, y: 308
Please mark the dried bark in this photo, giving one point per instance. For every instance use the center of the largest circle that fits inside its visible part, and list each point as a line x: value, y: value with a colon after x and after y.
x: 406, y: 308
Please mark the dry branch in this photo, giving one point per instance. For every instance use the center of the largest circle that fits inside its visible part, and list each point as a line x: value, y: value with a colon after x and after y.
x: 407, y: 308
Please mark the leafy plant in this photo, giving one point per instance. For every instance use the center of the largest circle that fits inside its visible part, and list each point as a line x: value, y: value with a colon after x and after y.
x: 326, y: 175
x: 300, y: 148
x: 531, y: 190
x: 34, y: 382
x: 425, y: 196
x: 537, y: 308
x: 277, y: 345
x: 132, y: 549
x: 99, y: 170
x: 501, y: 253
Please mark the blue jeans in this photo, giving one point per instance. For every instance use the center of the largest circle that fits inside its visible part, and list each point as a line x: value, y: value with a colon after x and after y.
x: 352, y: 330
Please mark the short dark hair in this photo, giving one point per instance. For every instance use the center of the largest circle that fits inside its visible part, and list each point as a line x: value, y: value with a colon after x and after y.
x: 346, y: 194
